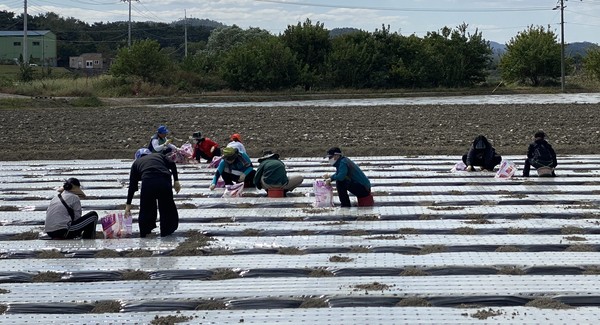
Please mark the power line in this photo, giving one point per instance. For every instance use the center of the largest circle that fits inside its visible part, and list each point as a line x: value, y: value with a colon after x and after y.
x: 480, y: 10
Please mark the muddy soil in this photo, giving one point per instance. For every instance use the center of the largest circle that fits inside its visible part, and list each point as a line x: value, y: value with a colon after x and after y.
x: 118, y: 131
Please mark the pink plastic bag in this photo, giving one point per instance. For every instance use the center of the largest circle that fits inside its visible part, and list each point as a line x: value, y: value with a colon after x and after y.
x: 233, y: 190
x: 215, y: 162
x: 507, y: 169
x: 116, y: 225
x: 460, y: 166
x: 323, y: 194
x: 183, y: 155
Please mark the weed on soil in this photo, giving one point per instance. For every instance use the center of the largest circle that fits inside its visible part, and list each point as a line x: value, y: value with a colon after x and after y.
x: 340, y: 259
x: 547, y: 303
x: 135, y: 275
x: 107, y: 253
x: 50, y: 254
x: 486, y: 313
x: 432, y: 249
x: 224, y: 274
x: 138, y: 253
x: 320, y: 273
x: 106, y: 306
x: 413, y: 271
x: 414, y: 302
x: 569, y: 230
x: 359, y: 249
x: 592, y: 270
x: 191, y: 246
x: 46, y: 277
x: 314, y: 303
x: 580, y: 248
x: 375, y: 286
x: 28, y: 235
x: 386, y: 237
x: 290, y: 251
x: 170, y: 320
x: 206, y: 304
x: 575, y: 238
x: 511, y: 270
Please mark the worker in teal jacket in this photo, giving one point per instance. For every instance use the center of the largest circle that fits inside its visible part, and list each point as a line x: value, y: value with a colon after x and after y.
x: 348, y: 177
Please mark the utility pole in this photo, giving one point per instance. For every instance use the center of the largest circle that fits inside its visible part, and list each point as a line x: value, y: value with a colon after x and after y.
x: 562, y: 46
x: 25, y: 54
x: 185, y: 31
x: 129, y: 29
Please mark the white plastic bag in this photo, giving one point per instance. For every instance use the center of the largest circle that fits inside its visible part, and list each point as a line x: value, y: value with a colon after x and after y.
x: 117, y: 225
x: 233, y: 190
x: 507, y: 169
x: 460, y: 166
x: 323, y: 194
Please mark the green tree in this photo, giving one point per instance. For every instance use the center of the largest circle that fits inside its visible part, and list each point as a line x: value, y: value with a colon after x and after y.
x: 311, y: 45
x: 225, y: 38
x: 143, y: 60
x: 533, y: 55
x: 262, y: 64
x: 591, y: 63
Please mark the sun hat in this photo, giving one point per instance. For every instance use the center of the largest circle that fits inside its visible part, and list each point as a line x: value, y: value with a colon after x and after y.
x: 267, y: 154
x: 229, y: 152
x: 142, y: 152
x: 236, y: 137
x: 162, y: 130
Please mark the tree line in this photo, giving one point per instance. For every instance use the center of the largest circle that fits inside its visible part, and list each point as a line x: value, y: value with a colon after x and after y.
x: 307, y: 55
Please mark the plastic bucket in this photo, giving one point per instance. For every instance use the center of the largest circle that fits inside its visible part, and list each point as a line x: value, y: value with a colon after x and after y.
x: 366, y: 201
x: 275, y: 192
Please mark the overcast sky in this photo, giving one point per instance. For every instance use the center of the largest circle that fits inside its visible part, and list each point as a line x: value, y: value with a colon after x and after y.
x: 498, y: 20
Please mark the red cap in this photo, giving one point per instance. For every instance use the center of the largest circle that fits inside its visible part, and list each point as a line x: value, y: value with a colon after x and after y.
x: 236, y: 137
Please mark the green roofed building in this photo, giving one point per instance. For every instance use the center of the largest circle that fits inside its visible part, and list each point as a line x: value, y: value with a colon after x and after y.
x: 41, y: 47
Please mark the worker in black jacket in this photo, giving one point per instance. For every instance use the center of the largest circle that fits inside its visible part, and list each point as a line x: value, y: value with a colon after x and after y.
x: 155, y: 171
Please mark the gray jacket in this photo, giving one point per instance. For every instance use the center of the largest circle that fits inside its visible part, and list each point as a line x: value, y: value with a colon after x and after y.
x: 57, y: 216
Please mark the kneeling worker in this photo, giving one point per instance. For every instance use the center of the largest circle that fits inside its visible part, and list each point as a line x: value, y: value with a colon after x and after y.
x: 271, y: 174
x: 348, y: 178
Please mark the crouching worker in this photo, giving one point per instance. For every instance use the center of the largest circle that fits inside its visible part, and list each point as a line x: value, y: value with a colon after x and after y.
x: 481, y: 154
x: 234, y: 167
x: 155, y: 171
x: 205, y: 148
x: 348, y: 177
x: 63, y: 217
x: 160, y: 143
x: 271, y: 174
x: 541, y: 156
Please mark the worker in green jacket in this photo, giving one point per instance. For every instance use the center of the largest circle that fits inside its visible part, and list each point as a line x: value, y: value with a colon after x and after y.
x: 271, y: 174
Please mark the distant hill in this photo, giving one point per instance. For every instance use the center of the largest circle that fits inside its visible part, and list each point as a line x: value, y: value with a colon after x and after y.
x: 341, y: 31
x: 196, y: 22
x: 571, y: 49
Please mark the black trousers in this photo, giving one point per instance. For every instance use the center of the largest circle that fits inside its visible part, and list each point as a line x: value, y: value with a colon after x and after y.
x: 343, y: 187
x: 157, y: 190
x: 489, y: 165
x: 229, y: 178
x: 84, y: 227
x: 527, y: 168
x: 201, y: 154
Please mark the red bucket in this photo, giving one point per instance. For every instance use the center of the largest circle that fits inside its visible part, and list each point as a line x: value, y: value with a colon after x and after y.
x: 366, y: 201
x: 275, y: 192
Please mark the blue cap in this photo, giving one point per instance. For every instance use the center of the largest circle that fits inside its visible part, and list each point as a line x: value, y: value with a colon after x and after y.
x: 162, y: 129
x: 142, y: 152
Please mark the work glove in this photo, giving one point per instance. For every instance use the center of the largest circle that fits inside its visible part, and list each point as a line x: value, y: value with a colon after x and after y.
x: 167, y: 142
x: 328, y: 181
x: 470, y: 168
x: 177, y: 186
x: 211, y: 187
x: 127, y: 209
x: 326, y: 176
x: 212, y: 149
x: 242, y: 178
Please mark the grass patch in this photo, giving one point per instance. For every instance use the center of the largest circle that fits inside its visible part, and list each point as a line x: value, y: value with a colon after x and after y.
x: 88, y: 101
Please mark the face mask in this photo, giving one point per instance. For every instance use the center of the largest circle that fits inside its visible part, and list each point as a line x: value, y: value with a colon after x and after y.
x: 331, y: 161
